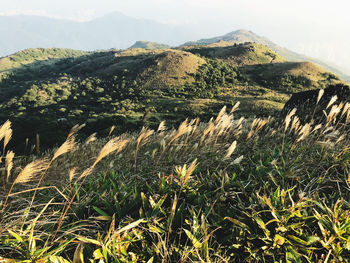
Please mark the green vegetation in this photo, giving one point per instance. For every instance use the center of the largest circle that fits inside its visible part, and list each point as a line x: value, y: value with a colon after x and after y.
x: 47, y: 91
x: 149, y: 45
x: 237, y: 54
x: 227, y: 190
x: 243, y: 36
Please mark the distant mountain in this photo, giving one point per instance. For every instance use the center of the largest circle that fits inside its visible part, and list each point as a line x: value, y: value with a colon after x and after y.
x: 149, y: 45
x: 114, y: 30
x: 118, y: 31
x: 241, y: 36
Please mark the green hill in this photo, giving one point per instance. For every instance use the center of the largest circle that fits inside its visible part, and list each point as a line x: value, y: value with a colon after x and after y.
x: 241, y: 36
x: 149, y: 45
x: 36, y: 56
x: 237, y: 54
x: 46, y: 92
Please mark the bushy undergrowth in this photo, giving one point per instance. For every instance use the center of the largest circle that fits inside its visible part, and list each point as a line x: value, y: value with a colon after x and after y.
x: 229, y: 190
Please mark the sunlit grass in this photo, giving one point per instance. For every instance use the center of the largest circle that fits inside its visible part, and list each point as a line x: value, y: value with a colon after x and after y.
x: 229, y: 190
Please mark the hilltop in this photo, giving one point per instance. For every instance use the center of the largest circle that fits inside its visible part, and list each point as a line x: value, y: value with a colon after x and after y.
x: 247, y: 53
x: 47, y: 91
x: 241, y: 36
x: 149, y: 45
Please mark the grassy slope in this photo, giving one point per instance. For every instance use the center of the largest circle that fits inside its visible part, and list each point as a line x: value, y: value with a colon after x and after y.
x: 28, y: 56
x: 149, y: 45
x: 224, y: 191
x: 241, y: 36
x: 138, y: 87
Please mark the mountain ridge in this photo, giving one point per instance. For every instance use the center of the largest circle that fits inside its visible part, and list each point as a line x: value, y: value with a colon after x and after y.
x: 242, y: 35
x: 103, y: 33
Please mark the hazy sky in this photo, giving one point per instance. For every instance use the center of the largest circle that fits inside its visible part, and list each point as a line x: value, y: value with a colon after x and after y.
x: 317, y: 28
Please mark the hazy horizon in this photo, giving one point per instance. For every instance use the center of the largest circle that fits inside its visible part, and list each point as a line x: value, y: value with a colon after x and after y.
x: 314, y: 28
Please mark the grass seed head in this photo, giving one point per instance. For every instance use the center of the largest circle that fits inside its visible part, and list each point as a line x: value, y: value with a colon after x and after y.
x: 66, y: 147
x: 332, y: 100
x: 91, y: 138
x: 111, y: 130
x: 75, y: 129
x: 31, y: 170
x: 161, y: 126
x: 72, y: 173
x: 230, y: 150
x: 320, y: 94
x: 114, y: 145
x: 9, y: 163
x: 288, y: 119
x: 221, y: 113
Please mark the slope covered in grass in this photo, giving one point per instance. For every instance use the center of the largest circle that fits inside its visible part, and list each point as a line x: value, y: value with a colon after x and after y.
x: 46, y: 93
x: 239, y: 55
x: 292, y: 76
x: 242, y: 36
x: 149, y: 45
x: 29, y: 56
x: 227, y: 190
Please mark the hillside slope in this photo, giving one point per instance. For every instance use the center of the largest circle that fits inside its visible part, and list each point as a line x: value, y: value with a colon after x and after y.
x: 47, y: 93
x: 149, y: 45
x: 241, y: 36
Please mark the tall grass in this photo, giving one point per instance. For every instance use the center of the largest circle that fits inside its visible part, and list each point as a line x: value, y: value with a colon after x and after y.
x: 262, y: 190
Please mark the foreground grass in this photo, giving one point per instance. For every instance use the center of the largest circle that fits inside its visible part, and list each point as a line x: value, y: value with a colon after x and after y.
x: 228, y: 190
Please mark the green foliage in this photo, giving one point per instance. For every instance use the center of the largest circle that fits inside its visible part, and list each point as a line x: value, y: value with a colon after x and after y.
x: 46, y: 91
x: 262, y: 190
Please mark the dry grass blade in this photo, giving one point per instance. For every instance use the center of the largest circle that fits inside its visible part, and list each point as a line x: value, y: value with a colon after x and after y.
x: 295, y: 125
x: 210, y: 128
x: 331, y: 117
x: 235, y: 107
x: 288, y: 119
x: 72, y: 173
x: 75, y: 129
x: 342, y: 137
x: 230, y: 150
x: 7, y: 137
x: 221, y: 113
x: 130, y: 226
x: 111, y: 130
x: 183, y: 128
x: 317, y: 127
x: 5, y: 133
x: 91, y: 138
x: 4, y: 129
x: 66, y: 147
x: 332, y: 100
x: 189, y: 172
x: 31, y: 170
x: 86, y: 172
x: 144, y: 135
x: 304, y: 132
x: 256, y: 125
x: 161, y: 126
x: 114, y: 145
x: 346, y: 108
x: 192, y: 167
x: 320, y: 94
x: 9, y: 163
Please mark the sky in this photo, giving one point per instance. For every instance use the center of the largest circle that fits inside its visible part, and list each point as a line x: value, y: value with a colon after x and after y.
x: 318, y: 28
